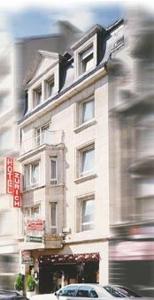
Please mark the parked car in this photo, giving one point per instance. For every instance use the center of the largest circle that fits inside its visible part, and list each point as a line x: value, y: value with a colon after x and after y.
x: 11, y: 295
x: 82, y: 291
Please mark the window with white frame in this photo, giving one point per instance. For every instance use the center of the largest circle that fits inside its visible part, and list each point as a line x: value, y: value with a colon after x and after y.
x: 87, y: 160
x: 42, y: 135
x: 86, y: 111
x: 37, y: 96
x: 87, y: 214
x: 31, y: 174
x: 32, y: 212
x: 53, y: 211
x: 49, y: 87
x: 54, y: 176
x: 86, y: 59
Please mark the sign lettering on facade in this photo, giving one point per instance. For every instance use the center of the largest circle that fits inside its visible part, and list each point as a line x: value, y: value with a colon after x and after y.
x: 35, y: 230
x: 9, y: 175
x: 17, y: 189
x: 35, y: 225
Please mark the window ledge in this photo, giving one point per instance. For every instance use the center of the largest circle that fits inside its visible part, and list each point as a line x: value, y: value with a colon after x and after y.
x: 85, y: 125
x: 84, y: 178
x: 56, y: 184
x: 31, y: 188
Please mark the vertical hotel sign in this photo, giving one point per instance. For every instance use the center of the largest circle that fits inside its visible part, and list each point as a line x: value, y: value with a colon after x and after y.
x: 16, y: 189
x: 9, y: 175
x: 13, y: 182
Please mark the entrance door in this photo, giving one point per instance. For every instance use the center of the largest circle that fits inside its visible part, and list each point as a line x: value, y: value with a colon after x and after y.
x: 45, y: 280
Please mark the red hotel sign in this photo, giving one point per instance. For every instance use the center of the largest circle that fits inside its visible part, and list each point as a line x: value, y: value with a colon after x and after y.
x: 13, y: 182
x: 35, y: 225
x: 9, y: 175
x: 16, y: 189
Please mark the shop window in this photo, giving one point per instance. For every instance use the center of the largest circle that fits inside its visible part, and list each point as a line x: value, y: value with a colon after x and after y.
x: 37, y: 96
x: 53, y: 207
x: 31, y: 174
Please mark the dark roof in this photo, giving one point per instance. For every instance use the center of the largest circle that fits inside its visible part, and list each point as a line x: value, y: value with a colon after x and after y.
x: 115, y: 25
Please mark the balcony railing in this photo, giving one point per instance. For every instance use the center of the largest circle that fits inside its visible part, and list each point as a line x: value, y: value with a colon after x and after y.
x: 44, y: 138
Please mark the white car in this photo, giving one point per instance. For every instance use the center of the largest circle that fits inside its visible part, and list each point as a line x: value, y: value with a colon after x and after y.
x: 83, y: 291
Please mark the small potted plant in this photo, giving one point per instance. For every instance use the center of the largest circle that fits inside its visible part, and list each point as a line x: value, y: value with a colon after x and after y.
x: 30, y: 285
x: 19, y: 283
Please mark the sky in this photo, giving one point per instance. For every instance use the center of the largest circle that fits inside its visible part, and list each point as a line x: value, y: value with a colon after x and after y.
x: 33, y: 21
x: 37, y: 17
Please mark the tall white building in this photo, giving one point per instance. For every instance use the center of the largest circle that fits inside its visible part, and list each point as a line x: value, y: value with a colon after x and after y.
x: 64, y: 159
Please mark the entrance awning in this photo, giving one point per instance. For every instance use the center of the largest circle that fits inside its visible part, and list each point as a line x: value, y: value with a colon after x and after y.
x: 68, y: 258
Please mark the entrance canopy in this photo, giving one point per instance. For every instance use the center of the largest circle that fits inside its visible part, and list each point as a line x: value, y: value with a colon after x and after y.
x: 68, y: 258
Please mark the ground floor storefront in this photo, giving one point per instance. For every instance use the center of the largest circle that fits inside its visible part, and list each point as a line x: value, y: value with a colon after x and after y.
x: 73, y: 264
x: 132, y: 265
x: 56, y: 271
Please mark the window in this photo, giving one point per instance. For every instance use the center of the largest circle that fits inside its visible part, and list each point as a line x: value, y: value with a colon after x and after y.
x: 32, y: 212
x: 42, y: 135
x: 31, y: 173
x: 49, y: 87
x: 87, y: 160
x: 86, y: 111
x: 53, y: 217
x: 120, y: 292
x: 86, y: 60
x: 87, y: 292
x: 37, y: 96
x: 83, y: 292
x: 35, y: 212
x: 68, y: 291
x: 93, y: 294
x: 87, y: 214
x: 54, y: 170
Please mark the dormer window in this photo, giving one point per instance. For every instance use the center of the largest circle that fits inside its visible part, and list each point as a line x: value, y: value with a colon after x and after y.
x: 85, y: 55
x: 37, y: 96
x: 49, y: 87
x: 86, y: 60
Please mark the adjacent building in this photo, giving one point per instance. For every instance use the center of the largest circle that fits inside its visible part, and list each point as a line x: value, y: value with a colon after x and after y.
x: 131, y: 157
